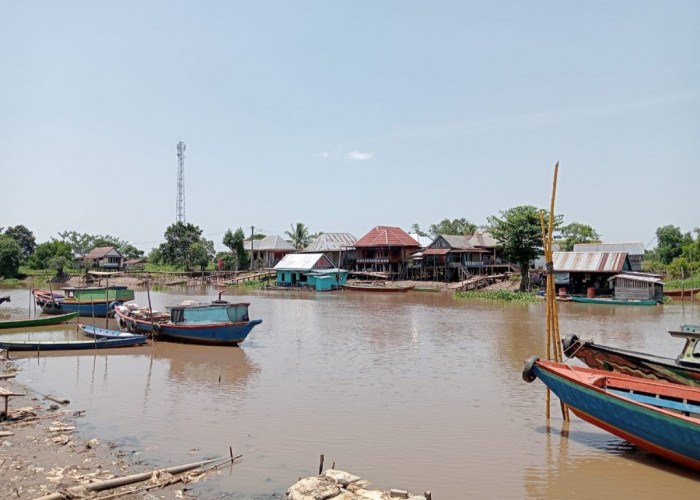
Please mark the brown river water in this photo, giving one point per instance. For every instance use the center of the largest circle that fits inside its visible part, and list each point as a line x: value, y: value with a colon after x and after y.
x: 417, y: 391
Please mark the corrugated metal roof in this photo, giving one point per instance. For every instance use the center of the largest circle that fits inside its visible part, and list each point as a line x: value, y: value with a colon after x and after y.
x: 484, y: 239
x: 635, y: 248
x: 387, y: 236
x: 269, y: 243
x: 634, y: 277
x: 301, y: 261
x: 332, y: 242
x: 596, y: 262
x: 99, y: 252
x: 436, y: 251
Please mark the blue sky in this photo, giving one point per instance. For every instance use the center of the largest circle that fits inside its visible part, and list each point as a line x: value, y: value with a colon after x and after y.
x: 347, y: 115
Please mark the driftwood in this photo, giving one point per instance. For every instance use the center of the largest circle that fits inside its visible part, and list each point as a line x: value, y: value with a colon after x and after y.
x: 137, y: 478
x: 61, y: 401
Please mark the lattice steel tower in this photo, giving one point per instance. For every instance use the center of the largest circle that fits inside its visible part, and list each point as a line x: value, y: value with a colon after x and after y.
x: 180, y: 182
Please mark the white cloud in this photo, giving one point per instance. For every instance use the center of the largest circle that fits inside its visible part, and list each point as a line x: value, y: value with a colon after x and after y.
x: 357, y: 156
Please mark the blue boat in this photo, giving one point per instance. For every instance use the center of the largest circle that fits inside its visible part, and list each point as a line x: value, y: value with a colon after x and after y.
x: 660, y: 417
x: 86, y: 301
x: 69, y: 345
x: 103, y: 333
x: 216, y: 323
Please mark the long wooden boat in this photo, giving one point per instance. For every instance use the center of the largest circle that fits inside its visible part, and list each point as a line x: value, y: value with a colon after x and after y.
x: 660, y: 417
x: 69, y: 345
x: 86, y: 301
x: 600, y: 300
x: 685, y: 369
x: 38, y: 321
x: 217, y: 323
x: 368, y: 287
x: 103, y: 333
x: 681, y: 294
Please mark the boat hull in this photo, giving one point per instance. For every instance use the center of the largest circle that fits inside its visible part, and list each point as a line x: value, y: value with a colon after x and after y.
x: 39, y: 321
x: 660, y: 431
x: 382, y: 289
x: 588, y: 300
x: 103, y: 333
x: 213, y: 334
x: 632, y: 363
x: 55, y: 303
x: 68, y: 345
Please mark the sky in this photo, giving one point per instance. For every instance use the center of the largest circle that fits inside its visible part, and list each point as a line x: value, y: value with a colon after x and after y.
x: 347, y: 115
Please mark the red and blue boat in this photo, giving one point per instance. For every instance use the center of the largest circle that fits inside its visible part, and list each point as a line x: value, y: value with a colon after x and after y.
x: 216, y: 323
x: 660, y: 417
x: 86, y: 301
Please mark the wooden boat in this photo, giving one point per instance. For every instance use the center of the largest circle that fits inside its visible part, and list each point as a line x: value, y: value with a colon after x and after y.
x: 86, y: 301
x: 103, y: 333
x: 216, y: 323
x: 68, y: 345
x: 681, y: 294
x: 685, y: 369
x: 38, y: 321
x: 600, y: 300
x: 370, y: 287
x: 660, y: 417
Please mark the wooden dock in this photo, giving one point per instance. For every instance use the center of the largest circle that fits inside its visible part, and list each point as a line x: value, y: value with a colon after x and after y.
x: 477, y: 282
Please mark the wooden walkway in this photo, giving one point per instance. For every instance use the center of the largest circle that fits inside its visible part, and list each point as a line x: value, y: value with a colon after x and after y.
x: 477, y: 282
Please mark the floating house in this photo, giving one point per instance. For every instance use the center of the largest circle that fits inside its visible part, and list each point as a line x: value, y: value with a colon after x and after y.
x: 589, y: 273
x: 311, y: 270
x: 637, y: 286
x: 338, y: 247
x: 635, y: 251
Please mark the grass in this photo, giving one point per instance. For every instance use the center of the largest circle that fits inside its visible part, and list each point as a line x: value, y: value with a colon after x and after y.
x: 503, y: 295
x: 248, y: 284
x: 693, y: 282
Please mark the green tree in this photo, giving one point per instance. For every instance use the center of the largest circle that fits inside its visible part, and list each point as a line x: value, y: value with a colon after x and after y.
x: 130, y: 252
x: 670, y: 243
x: 415, y: 228
x: 185, y: 247
x: 576, y: 233
x: 45, y: 252
x: 235, y: 241
x: 455, y: 226
x: 10, y: 256
x: 299, y: 235
x: 520, y: 232
x: 24, y: 237
x: 81, y: 244
x: 201, y: 253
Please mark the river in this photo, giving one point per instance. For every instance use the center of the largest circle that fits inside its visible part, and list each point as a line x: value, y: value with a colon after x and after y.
x: 418, y: 391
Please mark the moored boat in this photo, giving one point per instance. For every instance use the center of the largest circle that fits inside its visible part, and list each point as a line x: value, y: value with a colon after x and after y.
x: 681, y: 294
x: 660, y: 417
x: 685, y: 369
x: 601, y: 300
x: 103, y: 333
x: 38, y: 321
x: 69, y: 345
x: 371, y: 287
x: 86, y: 301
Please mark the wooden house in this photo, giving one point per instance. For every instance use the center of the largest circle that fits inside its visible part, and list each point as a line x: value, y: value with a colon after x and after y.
x: 108, y: 258
x: 588, y: 273
x: 451, y: 257
x: 635, y: 251
x: 385, y: 249
x: 268, y: 251
x: 313, y: 270
x: 338, y: 247
x: 637, y: 286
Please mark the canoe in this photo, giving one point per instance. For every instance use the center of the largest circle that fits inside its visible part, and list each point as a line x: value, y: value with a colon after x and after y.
x: 69, y: 345
x: 685, y: 369
x: 378, y: 288
x: 681, y: 294
x: 217, y: 323
x: 103, y: 333
x: 660, y: 417
x: 38, y: 321
x: 589, y: 300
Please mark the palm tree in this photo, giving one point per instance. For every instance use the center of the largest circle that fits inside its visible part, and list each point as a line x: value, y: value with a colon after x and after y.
x: 299, y: 235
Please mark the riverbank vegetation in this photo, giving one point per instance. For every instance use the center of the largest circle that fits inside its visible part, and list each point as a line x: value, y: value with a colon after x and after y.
x: 503, y: 295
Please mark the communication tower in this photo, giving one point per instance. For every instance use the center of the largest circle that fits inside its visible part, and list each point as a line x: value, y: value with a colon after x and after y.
x: 180, y: 209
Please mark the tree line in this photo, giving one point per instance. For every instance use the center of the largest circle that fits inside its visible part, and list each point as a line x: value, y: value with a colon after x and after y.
x: 518, y: 229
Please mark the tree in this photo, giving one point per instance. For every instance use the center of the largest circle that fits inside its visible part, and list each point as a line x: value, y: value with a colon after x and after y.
x: 455, y: 226
x: 299, y: 235
x: 48, y: 256
x: 670, y: 242
x: 520, y: 232
x: 577, y: 233
x: 24, y: 237
x: 10, y: 256
x: 415, y: 228
x: 185, y: 247
x: 130, y: 252
x: 235, y: 243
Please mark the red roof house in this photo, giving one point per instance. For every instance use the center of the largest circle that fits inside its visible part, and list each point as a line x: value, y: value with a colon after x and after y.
x: 385, y: 249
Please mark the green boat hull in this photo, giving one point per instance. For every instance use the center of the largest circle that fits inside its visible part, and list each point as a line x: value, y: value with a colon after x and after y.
x: 38, y: 321
x: 614, y: 301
